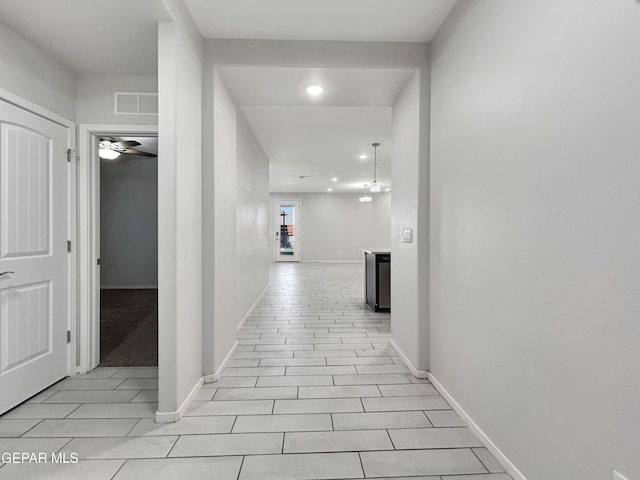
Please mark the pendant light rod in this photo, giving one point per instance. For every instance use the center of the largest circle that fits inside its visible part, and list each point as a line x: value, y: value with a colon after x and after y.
x: 375, y: 160
x: 375, y: 186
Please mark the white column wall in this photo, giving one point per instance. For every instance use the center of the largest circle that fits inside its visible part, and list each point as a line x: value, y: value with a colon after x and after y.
x: 180, y: 207
x: 536, y: 239
x: 410, y: 210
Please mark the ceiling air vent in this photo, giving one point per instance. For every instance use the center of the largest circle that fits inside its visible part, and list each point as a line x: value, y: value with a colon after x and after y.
x: 135, y: 103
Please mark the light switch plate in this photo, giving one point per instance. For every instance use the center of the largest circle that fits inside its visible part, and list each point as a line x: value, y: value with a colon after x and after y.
x: 407, y: 235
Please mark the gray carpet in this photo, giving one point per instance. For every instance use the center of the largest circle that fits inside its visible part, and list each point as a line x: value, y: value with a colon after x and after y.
x: 129, y: 328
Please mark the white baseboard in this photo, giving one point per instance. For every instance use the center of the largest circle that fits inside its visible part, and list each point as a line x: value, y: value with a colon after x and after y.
x: 128, y: 287
x: 173, y: 417
x: 244, y: 319
x: 482, y: 436
x: 332, y: 261
x: 216, y: 376
x: 414, y: 371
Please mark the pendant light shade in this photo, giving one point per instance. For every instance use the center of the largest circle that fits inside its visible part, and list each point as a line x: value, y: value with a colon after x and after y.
x: 365, y: 198
x: 375, y: 186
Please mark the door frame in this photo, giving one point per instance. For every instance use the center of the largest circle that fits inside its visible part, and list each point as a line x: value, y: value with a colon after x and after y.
x: 87, y: 210
x: 72, y: 312
x: 276, y: 225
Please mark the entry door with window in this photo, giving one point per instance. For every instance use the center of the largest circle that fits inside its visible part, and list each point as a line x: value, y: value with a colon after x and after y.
x: 287, y: 230
x: 33, y: 254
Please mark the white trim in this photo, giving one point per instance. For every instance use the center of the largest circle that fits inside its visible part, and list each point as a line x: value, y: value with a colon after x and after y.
x: 482, y: 436
x: 414, y: 371
x: 128, y: 287
x: 244, y: 319
x: 216, y: 376
x: 89, y: 233
x: 173, y: 417
x: 36, y: 109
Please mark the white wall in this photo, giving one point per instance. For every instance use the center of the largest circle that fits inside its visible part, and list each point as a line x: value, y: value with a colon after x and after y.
x: 235, y: 184
x: 180, y: 204
x: 410, y: 210
x: 225, y: 311
x: 335, y: 226
x: 535, y: 232
x: 94, y: 98
x: 252, y: 217
x: 129, y: 222
x: 34, y: 75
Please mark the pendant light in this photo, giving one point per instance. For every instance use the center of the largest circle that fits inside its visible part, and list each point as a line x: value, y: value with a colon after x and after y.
x: 365, y: 198
x: 375, y: 186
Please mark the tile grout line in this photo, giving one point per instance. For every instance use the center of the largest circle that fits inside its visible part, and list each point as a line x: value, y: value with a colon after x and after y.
x: 119, y: 468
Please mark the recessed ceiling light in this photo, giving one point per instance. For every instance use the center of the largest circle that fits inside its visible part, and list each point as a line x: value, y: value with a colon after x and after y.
x: 387, y: 189
x: 334, y: 179
x: 363, y: 156
x: 329, y: 189
x: 315, y: 90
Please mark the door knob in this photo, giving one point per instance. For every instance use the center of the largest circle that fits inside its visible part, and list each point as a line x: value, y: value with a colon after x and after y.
x: 5, y: 273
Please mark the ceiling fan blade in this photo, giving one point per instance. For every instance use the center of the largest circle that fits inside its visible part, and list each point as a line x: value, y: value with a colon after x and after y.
x: 126, y: 143
x: 133, y: 151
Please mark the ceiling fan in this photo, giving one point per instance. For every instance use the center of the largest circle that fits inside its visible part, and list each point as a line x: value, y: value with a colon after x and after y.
x: 110, y: 148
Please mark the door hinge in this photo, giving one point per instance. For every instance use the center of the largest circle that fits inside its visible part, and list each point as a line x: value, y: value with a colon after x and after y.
x: 98, y: 262
x: 70, y: 154
x: 68, y: 336
x: 69, y: 246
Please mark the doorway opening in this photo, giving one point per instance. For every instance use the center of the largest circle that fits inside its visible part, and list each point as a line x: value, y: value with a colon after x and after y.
x: 113, y: 246
x: 128, y: 268
x: 287, y: 231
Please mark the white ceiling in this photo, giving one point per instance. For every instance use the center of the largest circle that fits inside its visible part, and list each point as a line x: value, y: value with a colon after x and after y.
x: 319, y: 137
x: 340, y: 20
x: 287, y: 86
x: 323, y: 136
x: 323, y: 142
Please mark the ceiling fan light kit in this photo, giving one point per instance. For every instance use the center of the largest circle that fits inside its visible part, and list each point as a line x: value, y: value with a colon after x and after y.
x: 110, y: 149
x: 108, y: 154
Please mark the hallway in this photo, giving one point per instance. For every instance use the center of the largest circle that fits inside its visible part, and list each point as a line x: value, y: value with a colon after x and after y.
x: 313, y: 391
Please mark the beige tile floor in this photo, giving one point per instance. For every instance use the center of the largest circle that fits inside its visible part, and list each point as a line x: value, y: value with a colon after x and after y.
x: 313, y: 391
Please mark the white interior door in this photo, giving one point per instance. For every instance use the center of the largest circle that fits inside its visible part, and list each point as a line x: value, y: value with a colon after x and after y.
x: 33, y: 254
x: 287, y: 230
